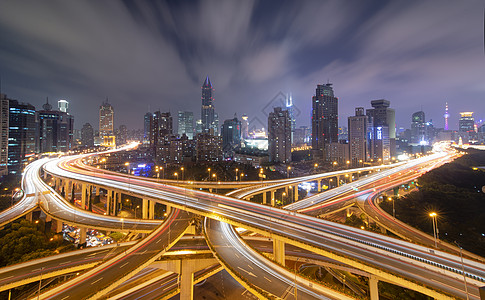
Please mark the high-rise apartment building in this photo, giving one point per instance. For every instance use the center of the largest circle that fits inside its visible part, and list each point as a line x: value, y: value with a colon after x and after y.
x: 106, y: 120
x: 357, y: 134
x: 382, y: 131
x: 161, y: 128
x: 418, y: 128
x: 21, y: 135
x: 466, y: 123
x: 3, y: 134
x: 208, y: 115
x: 55, y: 130
x: 146, y: 128
x: 186, y: 124
x: 208, y: 147
x: 324, y: 119
x: 87, y: 135
x: 279, y: 136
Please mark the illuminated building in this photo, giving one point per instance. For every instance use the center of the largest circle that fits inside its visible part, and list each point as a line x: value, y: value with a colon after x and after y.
x: 146, y: 128
x: 186, y: 124
x: 466, y: 122
x: 358, y: 137
x: 279, y: 136
x: 63, y: 105
x: 210, y: 123
x: 324, y: 119
x: 106, y: 120
x: 418, y: 128
x: 231, y: 136
x: 21, y: 135
x: 161, y: 128
x: 54, y: 130
x: 208, y: 147
x: 244, y: 126
x: 381, y: 131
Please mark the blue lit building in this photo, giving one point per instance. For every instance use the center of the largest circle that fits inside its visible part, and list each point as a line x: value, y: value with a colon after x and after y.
x: 21, y: 135
x: 54, y: 130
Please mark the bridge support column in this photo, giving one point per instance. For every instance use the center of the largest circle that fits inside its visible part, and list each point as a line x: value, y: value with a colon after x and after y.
x: 264, y: 197
x: 319, y: 185
x: 187, y: 280
x: 144, y: 209
x: 373, y: 287
x: 350, y: 177
x: 82, y: 235
x: 295, y: 193
x: 83, y: 195
x: 337, y: 178
x: 96, y: 188
x: 58, y: 226
x: 67, y: 184
x: 108, y: 200
x: 151, y: 211
x: 210, y: 190
x: 168, y: 209
x: 279, y: 251
x: 272, y: 198
x: 28, y: 217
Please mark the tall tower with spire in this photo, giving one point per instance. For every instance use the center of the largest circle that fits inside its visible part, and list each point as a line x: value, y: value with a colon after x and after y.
x: 207, y: 114
x: 446, y: 116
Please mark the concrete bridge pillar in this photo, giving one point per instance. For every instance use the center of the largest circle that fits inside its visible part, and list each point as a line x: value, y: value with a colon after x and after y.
x: 82, y: 235
x: 337, y: 178
x: 168, y: 209
x: 58, y: 226
x: 96, y: 188
x: 108, y: 200
x: 279, y: 251
x: 273, y: 201
x: 319, y: 185
x: 295, y: 192
x: 83, y: 195
x: 373, y: 287
x: 350, y: 177
x: 151, y: 211
x: 67, y: 184
x: 264, y: 197
x: 28, y: 217
x: 210, y: 190
x: 144, y: 209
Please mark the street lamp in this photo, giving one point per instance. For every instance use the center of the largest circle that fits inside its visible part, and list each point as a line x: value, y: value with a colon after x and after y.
x: 182, y: 169
x: 127, y: 165
x: 237, y: 170
x: 348, y: 163
x: 393, y: 209
x: 214, y: 175
x: 433, y: 216
x: 209, y: 170
x: 315, y: 166
x: 138, y: 206
x: 288, y: 172
x: 334, y: 164
x: 176, y: 175
x: 241, y: 177
x: 463, y: 270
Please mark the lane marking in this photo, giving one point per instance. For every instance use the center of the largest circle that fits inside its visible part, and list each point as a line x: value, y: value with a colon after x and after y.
x: 96, y: 281
x: 124, y: 264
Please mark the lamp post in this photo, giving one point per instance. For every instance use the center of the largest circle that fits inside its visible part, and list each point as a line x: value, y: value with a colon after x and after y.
x: 433, y: 216
x: 182, y: 169
x: 463, y: 270
x: 288, y: 172
x: 138, y: 206
x: 176, y: 175
x: 315, y: 166
x: 209, y: 170
x: 334, y: 164
x: 127, y: 165
x: 241, y: 177
x: 393, y: 209
x: 348, y: 163
x: 237, y: 170
x: 296, y: 289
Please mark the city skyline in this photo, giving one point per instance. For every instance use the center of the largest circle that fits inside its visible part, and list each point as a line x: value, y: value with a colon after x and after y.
x: 415, y: 56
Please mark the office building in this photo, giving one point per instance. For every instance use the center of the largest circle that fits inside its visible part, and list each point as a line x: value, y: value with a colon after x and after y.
x: 357, y: 135
x: 382, y: 131
x: 324, y: 119
x: 21, y: 135
x: 210, y: 122
x: 87, y: 136
x: 186, y: 124
x: 146, y: 128
x: 466, y: 123
x: 106, y: 120
x: 55, y: 130
x: 161, y: 128
x: 279, y: 136
x: 418, y: 128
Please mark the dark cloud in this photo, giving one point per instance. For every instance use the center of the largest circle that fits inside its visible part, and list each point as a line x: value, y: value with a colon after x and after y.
x: 156, y: 54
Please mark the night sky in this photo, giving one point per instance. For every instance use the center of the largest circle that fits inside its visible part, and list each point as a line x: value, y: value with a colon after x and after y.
x: 146, y: 56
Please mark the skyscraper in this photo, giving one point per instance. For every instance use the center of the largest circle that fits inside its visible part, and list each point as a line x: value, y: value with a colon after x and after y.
x: 291, y: 111
x: 55, y: 130
x: 279, y: 136
x: 186, y: 124
x: 382, y: 131
x: 244, y: 126
x: 161, y: 128
x: 466, y: 123
x: 21, y: 135
x: 418, y: 128
x: 358, y: 137
x: 87, y: 135
x: 146, y: 128
x: 324, y: 119
x: 231, y: 136
x: 3, y: 134
x: 106, y: 119
x: 208, y: 111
